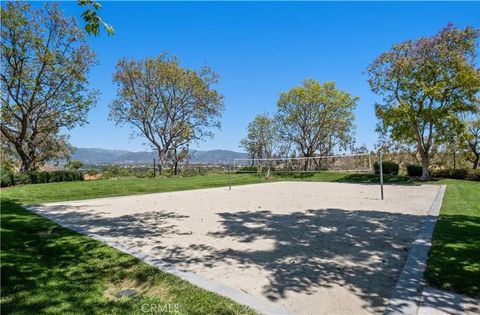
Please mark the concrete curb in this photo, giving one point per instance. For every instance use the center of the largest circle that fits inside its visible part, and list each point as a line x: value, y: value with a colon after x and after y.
x: 407, y: 294
x: 263, y: 307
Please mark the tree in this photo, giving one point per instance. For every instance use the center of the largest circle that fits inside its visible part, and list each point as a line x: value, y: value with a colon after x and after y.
x: 472, y: 137
x: 44, y: 65
x: 177, y: 155
x: 92, y: 20
x: 425, y: 84
x: 262, y: 140
x: 169, y: 105
x: 74, y: 165
x: 316, y: 117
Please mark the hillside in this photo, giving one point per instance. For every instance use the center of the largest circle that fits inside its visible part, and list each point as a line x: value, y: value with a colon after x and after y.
x: 104, y: 156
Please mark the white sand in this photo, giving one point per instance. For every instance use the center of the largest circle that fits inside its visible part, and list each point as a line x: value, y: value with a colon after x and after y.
x: 315, y: 248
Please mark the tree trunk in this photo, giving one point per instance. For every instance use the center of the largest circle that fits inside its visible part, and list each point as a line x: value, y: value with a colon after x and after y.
x: 425, y: 165
x: 27, y: 164
x: 26, y: 160
x: 160, y: 163
x: 175, y: 167
x: 307, y: 161
x: 476, y: 161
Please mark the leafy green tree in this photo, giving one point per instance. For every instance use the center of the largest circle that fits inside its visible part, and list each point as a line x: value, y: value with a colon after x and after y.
x: 317, y: 117
x: 44, y: 66
x: 425, y: 85
x: 262, y: 140
x: 74, y: 165
x: 167, y: 104
x: 93, y: 22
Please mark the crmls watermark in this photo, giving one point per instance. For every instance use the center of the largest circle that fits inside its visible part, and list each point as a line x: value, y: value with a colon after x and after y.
x: 166, y: 308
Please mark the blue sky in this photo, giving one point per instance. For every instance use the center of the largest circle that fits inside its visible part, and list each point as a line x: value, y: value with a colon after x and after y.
x: 259, y: 50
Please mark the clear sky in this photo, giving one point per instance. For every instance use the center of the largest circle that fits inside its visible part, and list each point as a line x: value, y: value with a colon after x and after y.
x: 259, y: 50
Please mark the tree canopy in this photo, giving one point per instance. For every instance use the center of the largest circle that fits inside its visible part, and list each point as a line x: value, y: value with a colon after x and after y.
x: 425, y: 85
x: 317, y: 117
x: 44, y: 66
x: 169, y: 105
x: 263, y: 137
x: 93, y: 22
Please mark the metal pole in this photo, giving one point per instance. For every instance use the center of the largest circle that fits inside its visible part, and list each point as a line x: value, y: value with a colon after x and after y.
x: 381, y: 174
x: 154, y: 169
x: 230, y: 175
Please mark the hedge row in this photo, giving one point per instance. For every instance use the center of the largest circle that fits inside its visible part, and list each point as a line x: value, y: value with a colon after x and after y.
x: 9, y: 178
x: 459, y: 173
x: 388, y: 167
x: 414, y: 170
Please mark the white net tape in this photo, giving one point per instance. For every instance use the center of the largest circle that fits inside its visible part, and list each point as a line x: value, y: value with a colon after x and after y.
x: 339, y: 163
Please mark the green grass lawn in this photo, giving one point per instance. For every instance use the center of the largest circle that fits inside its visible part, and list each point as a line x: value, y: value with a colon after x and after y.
x: 48, y: 269
x: 132, y: 186
x: 454, y: 262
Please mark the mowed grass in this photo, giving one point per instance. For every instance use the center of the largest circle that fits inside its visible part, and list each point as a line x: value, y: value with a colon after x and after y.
x: 454, y: 261
x: 48, y: 269
x: 133, y: 186
x: 120, y: 187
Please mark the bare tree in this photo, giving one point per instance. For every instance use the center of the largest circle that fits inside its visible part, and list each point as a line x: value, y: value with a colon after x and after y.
x: 44, y: 65
x: 169, y: 105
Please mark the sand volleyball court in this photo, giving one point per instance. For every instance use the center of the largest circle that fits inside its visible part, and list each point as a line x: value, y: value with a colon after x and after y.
x: 300, y: 248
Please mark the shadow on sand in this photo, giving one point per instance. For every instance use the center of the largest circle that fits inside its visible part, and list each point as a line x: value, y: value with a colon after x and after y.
x: 363, y: 251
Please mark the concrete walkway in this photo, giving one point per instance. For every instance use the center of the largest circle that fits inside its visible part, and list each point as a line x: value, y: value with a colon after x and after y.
x: 411, y: 295
x: 438, y: 302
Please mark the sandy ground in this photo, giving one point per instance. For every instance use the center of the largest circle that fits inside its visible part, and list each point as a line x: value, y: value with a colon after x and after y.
x: 314, y: 248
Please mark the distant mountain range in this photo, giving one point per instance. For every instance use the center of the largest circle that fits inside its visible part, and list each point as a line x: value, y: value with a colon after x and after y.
x: 103, y: 156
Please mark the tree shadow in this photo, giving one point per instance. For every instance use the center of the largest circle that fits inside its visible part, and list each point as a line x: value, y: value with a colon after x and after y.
x: 455, y: 253
x: 362, y: 251
x: 48, y: 269
x: 136, y: 229
x: 292, y: 175
x: 374, y: 179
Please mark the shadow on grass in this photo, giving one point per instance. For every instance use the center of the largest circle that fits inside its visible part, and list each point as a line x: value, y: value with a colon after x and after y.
x: 49, y: 269
x: 375, y: 179
x: 454, y: 260
x: 293, y: 175
x: 46, y: 268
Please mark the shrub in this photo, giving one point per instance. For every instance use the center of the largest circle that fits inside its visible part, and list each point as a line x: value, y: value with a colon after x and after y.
x: 92, y: 171
x: 21, y: 178
x: 34, y: 177
x: 459, y: 173
x: 414, y: 170
x: 194, y: 171
x: 388, y: 167
x: 474, y: 175
x: 249, y: 168
x: 6, y: 177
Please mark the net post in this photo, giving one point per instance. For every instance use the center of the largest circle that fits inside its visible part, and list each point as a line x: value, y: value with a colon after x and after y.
x: 381, y: 174
x: 230, y: 175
